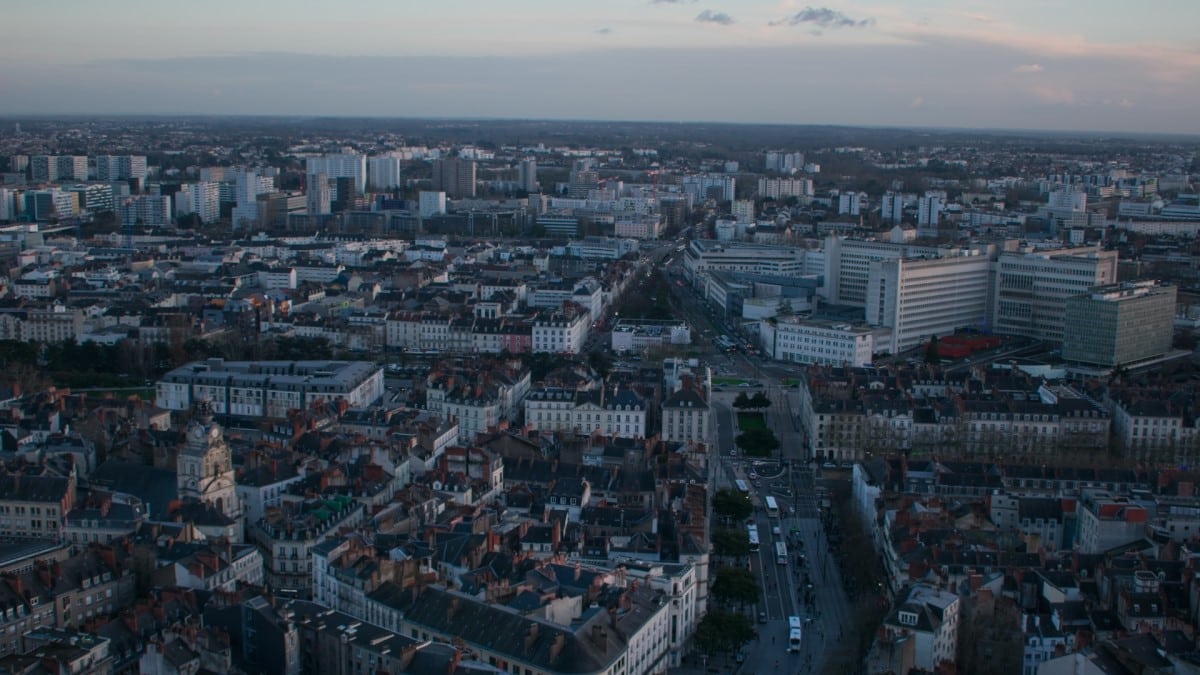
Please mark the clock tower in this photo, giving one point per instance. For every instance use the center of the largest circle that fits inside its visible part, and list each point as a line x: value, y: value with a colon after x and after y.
x: 205, y: 470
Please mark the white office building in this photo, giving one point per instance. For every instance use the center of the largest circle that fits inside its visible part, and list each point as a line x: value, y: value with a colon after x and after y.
x: 818, y: 342
x: 349, y: 165
x: 848, y: 265
x: 704, y: 256
x: 921, y: 297
x: 383, y: 173
x: 1032, y: 288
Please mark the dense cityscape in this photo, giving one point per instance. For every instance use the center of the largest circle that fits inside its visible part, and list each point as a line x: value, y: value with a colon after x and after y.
x: 335, y: 395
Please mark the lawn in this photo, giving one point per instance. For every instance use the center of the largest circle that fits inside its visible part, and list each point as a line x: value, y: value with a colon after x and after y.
x: 751, y: 420
x: 728, y: 380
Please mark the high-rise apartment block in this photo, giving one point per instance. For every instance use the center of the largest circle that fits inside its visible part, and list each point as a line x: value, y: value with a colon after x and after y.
x: 743, y: 210
x: 892, y: 207
x: 1119, y: 324
x: 782, y: 188
x: 318, y: 197
x: 850, y: 203
x: 202, y: 199
x: 8, y: 207
x: 50, y: 168
x: 786, y: 162
x: 120, y: 167
x: 709, y: 186
x: 929, y: 210
x: 584, y: 179
x: 455, y: 177
x: 247, y: 187
x: 348, y: 165
x: 383, y: 173
x: 148, y: 210
x: 527, y: 175
x: 94, y: 197
x: 50, y: 204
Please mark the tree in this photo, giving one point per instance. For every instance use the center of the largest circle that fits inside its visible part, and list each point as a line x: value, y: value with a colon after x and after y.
x: 741, y: 401
x: 736, y: 586
x: 931, y: 351
x: 760, y: 401
x: 733, y: 505
x: 730, y: 542
x: 723, y: 632
x: 757, y: 442
x: 601, y: 362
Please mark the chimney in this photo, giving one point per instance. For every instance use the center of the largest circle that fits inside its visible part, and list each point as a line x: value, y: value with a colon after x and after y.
x: 531, y: 635
x: 556, y: 648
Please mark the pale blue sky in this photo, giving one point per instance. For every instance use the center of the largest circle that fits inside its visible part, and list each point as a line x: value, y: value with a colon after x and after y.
x: 1053, y: 64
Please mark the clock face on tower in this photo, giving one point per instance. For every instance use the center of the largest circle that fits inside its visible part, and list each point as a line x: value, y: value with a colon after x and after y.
x: 197, y: 433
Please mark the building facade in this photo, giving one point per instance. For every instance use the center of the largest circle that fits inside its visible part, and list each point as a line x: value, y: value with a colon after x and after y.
x: 1119, y: 324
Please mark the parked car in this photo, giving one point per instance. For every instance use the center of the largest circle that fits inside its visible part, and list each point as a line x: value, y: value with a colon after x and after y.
x: 762, y: 617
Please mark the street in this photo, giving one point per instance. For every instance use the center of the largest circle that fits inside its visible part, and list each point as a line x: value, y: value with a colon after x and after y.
x: 784, y: 586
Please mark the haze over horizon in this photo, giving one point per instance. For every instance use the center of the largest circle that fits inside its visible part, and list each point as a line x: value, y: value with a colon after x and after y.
x: 1024, y: 64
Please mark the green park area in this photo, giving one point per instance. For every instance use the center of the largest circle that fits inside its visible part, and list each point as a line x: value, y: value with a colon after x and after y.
x: 751, y: 420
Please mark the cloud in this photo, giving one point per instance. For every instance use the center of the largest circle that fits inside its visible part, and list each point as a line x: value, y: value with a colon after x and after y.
x: 822, y: 17
x: 1119, y: 103
x: 1056, y: 95
x: 1029, y: 68
x: 709, y: 16
x: 917, y: 102
x: 670, y: 2
x: 604, y: 31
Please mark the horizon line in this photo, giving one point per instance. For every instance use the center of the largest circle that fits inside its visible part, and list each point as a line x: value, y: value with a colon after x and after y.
x: 583, y: 120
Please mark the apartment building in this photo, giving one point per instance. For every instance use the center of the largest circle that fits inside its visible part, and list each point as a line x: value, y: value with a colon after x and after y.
x: 343, y: 165
x: 619, y: 413
x: 287, y: 534
x: 560, y: 332
x: 35, y: 506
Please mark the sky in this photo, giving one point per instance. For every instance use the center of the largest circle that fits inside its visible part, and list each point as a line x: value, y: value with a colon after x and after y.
x: 1098, y: 65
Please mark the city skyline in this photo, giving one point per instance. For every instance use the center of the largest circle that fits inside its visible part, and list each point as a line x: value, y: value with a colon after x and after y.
x: 1019, y: 65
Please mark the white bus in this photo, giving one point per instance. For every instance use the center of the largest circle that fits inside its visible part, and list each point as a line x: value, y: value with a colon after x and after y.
x: 752, y: 533
x: 781, y: 553
x: 794, y: 633
x: 741, y: 486
x: 772, y: 507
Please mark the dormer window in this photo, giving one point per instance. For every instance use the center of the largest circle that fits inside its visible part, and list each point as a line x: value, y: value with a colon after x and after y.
x: 908, y: 618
